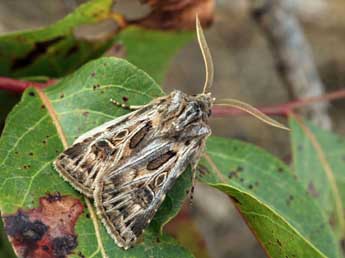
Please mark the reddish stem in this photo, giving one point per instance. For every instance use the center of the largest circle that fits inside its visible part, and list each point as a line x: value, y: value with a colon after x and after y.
x: 281, y: 110
x: 20, y: 86
x: 217, y: 110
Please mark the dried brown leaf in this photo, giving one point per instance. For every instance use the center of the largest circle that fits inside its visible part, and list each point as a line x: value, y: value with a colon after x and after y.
x: 177, y: 14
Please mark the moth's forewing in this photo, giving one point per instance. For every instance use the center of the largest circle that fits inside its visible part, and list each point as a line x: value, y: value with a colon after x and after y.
x: 127, y: 198
x: 129, y: 164
x: 128, y: 194
x: 98, y: 149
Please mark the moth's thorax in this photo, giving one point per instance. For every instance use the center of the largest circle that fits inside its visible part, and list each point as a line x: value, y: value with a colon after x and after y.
x: 186, y: 115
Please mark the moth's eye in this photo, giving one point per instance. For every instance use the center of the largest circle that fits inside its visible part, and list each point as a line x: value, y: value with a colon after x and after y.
x: 187, y: 142
x: 209, y: 113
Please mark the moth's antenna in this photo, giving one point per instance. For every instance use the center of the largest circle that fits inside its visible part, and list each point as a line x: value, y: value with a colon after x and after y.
x: 206, y: 55
x: 252, y: 111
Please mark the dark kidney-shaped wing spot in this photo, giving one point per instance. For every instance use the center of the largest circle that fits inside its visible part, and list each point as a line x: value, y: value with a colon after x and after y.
x: 139, y: 136
x: 156, y: 163
x: 74, y: 151
x: 46, y: 231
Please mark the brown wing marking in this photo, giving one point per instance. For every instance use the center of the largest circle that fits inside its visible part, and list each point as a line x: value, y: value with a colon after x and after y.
x: 125, y: 201
x: 83, y: 161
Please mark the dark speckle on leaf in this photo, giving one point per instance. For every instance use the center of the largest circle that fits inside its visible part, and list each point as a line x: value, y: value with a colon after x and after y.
x: 32, y: 94
x: 85, y: 113
x: 43, y: 106
x: 280, y: 170
x: 332, y: 219
x: 54, y: 197
x: 31, y: 153
x: 96, y: 86
x: 93, y: 74
x: 289, y: 200
x: 278, y: 242
x: 312, y: 190
x: 125, y: 98
x: 233, y: 174
x: 62, y: 95
x: 239, y: 169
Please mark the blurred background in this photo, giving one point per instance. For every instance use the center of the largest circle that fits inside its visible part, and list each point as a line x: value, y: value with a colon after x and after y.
x: 245, y: 69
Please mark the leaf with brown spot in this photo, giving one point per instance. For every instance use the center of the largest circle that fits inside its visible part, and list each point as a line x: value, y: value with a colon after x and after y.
x: 46, y: 231
x: 63, y: 119
x: 319, y: 164
x: 54, y: 50
x: 285, y: 220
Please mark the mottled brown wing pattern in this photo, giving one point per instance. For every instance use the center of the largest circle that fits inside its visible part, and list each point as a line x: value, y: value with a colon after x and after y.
x: 128, y: 196
x: 102, y: 147
x: 128, y: 193
x: 129, y: 164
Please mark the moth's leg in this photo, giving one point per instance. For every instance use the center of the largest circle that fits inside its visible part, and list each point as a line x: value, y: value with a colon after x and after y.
x: 191, y: 191
x: 123, y: 105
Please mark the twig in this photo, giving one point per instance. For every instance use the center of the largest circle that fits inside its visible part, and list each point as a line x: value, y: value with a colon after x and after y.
x: 20, y: 86
x: 280, y: 110
x: 295, y: 62
x: 217, y: 111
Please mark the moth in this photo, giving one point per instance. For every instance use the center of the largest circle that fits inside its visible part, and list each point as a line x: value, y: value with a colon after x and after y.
x: 128, y: 165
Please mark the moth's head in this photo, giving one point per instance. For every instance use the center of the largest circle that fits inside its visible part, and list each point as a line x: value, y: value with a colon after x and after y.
x: 205, y: 101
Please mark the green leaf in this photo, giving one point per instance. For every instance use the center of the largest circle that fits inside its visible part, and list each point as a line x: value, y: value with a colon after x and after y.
x: 5, y: 246
x: 54, y: 51
x: 31, y: 142
x: 7, y: 101
x: 319, y: 159
x: 285, y: 219
x: 155, y: 50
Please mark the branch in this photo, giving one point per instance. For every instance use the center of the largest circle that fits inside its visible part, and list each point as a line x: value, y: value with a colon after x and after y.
x: 280, y: 110
x: 19, y: 85
x: 217, y: 111
x: 294, y: 59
